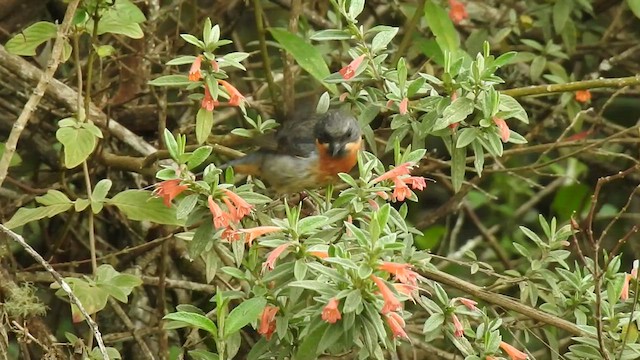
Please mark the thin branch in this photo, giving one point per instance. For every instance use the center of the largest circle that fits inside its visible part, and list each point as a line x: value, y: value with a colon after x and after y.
x: 573, y: 86
x: 63, y: 285
x: 38, y: 93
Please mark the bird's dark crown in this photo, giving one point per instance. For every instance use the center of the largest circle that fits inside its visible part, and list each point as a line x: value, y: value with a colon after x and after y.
x: 337, y: 126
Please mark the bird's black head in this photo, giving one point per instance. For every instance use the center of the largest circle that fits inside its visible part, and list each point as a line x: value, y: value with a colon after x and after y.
x: 338, y: 131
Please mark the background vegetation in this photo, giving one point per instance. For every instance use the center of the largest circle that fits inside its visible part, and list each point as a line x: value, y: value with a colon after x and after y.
x: 525, y: 113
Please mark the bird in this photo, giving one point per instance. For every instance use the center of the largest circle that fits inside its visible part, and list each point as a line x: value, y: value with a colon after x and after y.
x: 309, y: 153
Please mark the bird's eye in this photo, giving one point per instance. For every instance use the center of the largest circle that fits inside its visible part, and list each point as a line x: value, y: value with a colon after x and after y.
x: 323, y: 138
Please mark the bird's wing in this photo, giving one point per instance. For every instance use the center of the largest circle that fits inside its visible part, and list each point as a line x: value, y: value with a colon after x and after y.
x: 296, y: 136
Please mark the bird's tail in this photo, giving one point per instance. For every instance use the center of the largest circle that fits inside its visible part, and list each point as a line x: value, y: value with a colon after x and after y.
x: 249, y: 164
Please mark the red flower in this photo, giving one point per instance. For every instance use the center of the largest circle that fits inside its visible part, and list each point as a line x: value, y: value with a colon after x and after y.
x: 215, y: 66
x: 402, y: 272
x: 220, y: 218
x: 330, y: 313
x: 168, y: 190
x: 230, y: 234
x: 235, y: 97
x: 396, y: 324
x: 270, y: 263
x: 319, y: 254
x: 416, y: 182
x: 400, y: 190
x: 403, y: 106
x: 409, y: 290
x: 391, y: 303
x: 268, y: 321
x: 194, y: 72
x: 207, y: 101
x: 583, y: 96
x: 457, y: 326
x: 349, y: 71
x: 253, y: 233
x: 457, y: 11
x: 243, y: 208
x: 513, y: 353
x: 374, y: 205
x: 503, y: 127
x: 624, y: 294
x: 404, y: 169
x: 470, y: 304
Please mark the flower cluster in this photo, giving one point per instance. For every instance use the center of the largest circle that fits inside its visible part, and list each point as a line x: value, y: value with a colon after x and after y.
x: 169, y: 190
x: 208, y: 102
x: 402, y: 179
x: 457, y: 11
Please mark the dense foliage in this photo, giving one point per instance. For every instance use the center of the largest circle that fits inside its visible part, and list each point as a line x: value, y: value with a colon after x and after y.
x: 491, y: 213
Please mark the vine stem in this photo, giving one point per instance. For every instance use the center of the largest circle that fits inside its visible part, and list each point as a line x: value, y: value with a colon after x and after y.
x: 38, y: 93
x: 63, y: 285
x: 573, y: 86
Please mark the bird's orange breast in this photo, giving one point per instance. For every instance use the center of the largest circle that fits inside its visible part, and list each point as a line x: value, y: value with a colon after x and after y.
x: 330, y: 166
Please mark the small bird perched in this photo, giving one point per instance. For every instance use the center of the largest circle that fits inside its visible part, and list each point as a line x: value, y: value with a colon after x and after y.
x: 310, y: 153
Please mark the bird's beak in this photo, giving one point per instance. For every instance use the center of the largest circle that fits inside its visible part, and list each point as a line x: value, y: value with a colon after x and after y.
x: 336, y: 149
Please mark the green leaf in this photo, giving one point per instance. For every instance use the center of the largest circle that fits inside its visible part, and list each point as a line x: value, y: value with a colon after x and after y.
x: 121, y: 18
x: 196, y: 320
x: 331, y: 34
x: 78, y: 144
x: 199, y: 156
x: 204, y: 124
x: 53, y: 197
x: 15, y: 158
x: 382, y: 39
x: 441, y: 26
x: 458, y: 162
x: 182, y: 60
x: 26, y: 42
x: 201, y: 238
x: 171, y: 80
x: 308, y: 349
x: 26, y: 215
x: 478, y: 161
x: 355, y: 8
x: 99, y: 194
x: 634, y: 5
x: 142, y: 205
x: 466, y: 137
x: 307, y: 56
x: 310, y: 223
x: 171, y: 144
x: 511, y: 108
x: 454, y: 113
x: 245, y: 313
x: 203, y: 355
x: 561, y: 11
x: 192, y: 40
x: 537, y: 67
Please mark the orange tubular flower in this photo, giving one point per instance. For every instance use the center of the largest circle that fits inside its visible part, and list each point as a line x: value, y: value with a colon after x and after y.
x: 404, y: 169
x: 402, y: 272
x: 215, y: 66
x: 230, y: 234
x: 330, y: 313
x: 270, y: 263
x: 457, y: 326
x: 404, y: 104
x: 583, y: 96
x: 470, y: 304
x: 349, y: 71
x: 243, y: 208
x: 396, y: 324
x: 319, y: 254
x: 400, y: 190
x: 220, y: 218
x: 208, y: 102
x: 235, y: 96
x: 503, y: 127
x: 391, y: 303
x: 194, y: 72
x: 268, y: 321
x: 624, y: 294
x: 409, y: 290
x: 513, y: 353
x: 253, y: 233
x: 168, y: 190
x: 416, y: 182
x: 457, y: 11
